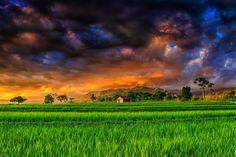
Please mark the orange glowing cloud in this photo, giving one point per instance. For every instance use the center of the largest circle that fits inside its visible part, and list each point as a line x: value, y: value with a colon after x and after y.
x: 28, y: 39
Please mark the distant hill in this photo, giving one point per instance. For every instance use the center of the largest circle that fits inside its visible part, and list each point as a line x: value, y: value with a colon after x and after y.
x: 124, y: 91
x: 120, y: 92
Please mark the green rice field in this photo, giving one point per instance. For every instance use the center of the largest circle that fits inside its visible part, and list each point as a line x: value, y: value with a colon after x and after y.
x: 143, y: 129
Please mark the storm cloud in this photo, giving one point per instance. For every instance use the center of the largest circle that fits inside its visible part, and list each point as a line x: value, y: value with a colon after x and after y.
x: 76, y: 46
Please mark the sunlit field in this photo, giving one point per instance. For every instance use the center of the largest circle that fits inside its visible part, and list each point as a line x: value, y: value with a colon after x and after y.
x: 110, y: 129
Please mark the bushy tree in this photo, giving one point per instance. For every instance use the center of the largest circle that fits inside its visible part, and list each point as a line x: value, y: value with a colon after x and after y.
x: 18, y: 99
x: 139, y: 96
x: 203, y: 83
x: 49, y: 99
x: 170, y: 96
x: 62, y: 98
x: 146, y: 96
x: 132, y: 96
x: 159, y: 95
x: 186, y: 94
x: 231, y: 96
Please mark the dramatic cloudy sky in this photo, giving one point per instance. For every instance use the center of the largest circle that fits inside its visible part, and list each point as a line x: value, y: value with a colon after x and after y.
x: 75, y: 46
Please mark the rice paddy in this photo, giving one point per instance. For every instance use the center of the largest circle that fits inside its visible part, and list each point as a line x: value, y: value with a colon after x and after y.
x: 109, y: 129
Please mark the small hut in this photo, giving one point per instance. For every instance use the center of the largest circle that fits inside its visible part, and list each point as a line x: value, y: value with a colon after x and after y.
x: 119, y: 100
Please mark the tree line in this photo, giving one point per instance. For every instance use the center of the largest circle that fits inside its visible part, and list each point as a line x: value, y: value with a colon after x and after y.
x: 160, y: 95
x: 48, y: 99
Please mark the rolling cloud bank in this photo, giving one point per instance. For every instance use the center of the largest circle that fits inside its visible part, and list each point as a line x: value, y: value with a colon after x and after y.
x: 77, y: 46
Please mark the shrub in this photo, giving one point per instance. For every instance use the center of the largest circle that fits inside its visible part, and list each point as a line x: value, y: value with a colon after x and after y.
x: 231, y: 96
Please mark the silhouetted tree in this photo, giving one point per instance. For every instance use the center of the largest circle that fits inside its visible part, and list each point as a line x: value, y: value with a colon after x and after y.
x: 62, y: 98
x: 93, y: 97
x: 71, y: 100
x: 186, y: 94
x: 203, y: 83
x: 18, y: 99
x: 48, y: 99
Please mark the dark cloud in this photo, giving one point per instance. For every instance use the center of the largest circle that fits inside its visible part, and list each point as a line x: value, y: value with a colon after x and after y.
x: 108, y: 43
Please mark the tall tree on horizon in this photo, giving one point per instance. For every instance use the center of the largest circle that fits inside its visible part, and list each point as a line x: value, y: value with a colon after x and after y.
x: 203, y: 83
x: 186, y: 93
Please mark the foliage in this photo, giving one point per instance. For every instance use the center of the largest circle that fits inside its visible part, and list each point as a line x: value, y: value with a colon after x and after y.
x: 62, y: 98
x: 159, y: 95
x: 177, y: 133
x: 139, y: 96
x: 93, y: 97
x: 71, y: 100
x: 106, y: 98
x: 203, y: 83
x: 48, y: 99
x: 170, y: 96
x: 18, y: 99
x: 186, y: 94
x: 231, y: 96
x: 134, y: 96
x: 196, y: 98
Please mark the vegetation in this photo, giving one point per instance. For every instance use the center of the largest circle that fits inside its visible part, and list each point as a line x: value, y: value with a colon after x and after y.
x: 186, y: 93
x: 48, y: 99
x: 231, y: 96
x: 62, y: 98
x: 93, y: 97
x: 139, y: 96
x: 99, y: 132
x: 152, y: 123
x: 144, y: 94
x: 18, y: 99
x: 151, y: 106
x: 71, y: 100
x: 160, y: 95
x: 203, y: 83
